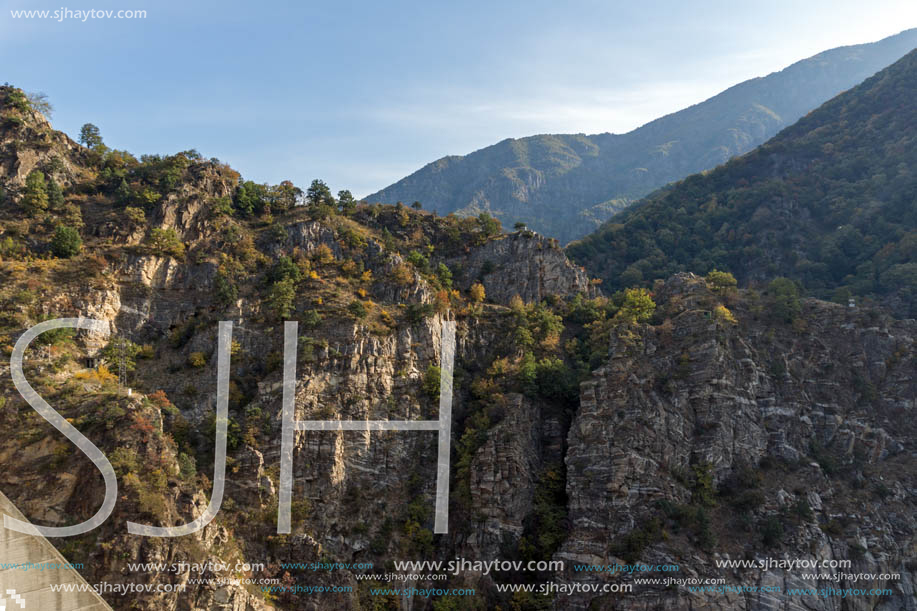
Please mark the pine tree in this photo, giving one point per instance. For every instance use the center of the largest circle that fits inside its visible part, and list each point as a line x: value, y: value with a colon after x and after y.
x: 66, y: 242
x: 321, y: 202
x: 55, y: 195
x: 90, y: 137
x: 346, y: 202
x: 35, y: 197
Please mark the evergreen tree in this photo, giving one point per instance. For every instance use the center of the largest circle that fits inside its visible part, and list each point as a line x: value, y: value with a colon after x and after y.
x: 489, y: 225
x: 281, y: 298
x: 321, y: 202
x: 55, y: 195
x: 66, y: 242
x: 784, y: 299
x: 123, y: 193
x: 346, y: 202
x: 35, y: 197
x: 90, y: 137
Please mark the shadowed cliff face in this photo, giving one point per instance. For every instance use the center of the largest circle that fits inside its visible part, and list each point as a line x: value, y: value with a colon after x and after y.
x: 748, y: 425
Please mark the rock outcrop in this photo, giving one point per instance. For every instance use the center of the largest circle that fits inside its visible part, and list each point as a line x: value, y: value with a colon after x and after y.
x: 793, y: 407
x: 523, y: 264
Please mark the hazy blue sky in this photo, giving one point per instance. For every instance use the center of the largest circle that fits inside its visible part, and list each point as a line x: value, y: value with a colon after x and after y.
x: 363, y: 93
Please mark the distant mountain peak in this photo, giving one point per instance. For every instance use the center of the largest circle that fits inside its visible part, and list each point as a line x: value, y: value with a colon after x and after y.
x: 829, y: 203
x: 566, y: 185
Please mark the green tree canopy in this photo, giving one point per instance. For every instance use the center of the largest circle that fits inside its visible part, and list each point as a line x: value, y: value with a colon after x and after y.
x: 721, y: 281
x: 784, y: 298
x: 283, y: 269
x: 638, y: 306
x: 251, y: 198
x: 489, y: 225
x: 282, y: 298
x: 346, y: 202
x: 284, y: 196
x: 319, y: 199
x: 166, y: 242
x: 66, y: 242
x: 35, y: 197
x: 55, y: 195
x: 90, y: 136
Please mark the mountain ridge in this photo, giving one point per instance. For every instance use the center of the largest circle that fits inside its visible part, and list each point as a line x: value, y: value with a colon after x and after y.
x: 827, y: 202
x: 593, y: 176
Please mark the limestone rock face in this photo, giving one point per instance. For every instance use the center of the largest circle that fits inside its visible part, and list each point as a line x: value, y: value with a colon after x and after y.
x: 821, y: 414
x: 343, y: 482
x: 188, y: 209
x: 308, y: 236
x: 504, y: 474
x: 30, y: 145
x: 704, y: 393
x: 523, y: 264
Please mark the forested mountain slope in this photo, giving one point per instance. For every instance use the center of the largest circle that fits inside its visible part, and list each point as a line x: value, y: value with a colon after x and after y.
x: 566, y: 185
x: 830, y: 202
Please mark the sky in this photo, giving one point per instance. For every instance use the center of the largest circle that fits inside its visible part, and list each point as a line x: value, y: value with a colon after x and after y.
x: 360, y: 94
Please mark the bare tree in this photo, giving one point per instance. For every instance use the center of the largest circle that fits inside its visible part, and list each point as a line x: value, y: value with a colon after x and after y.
x: 39, y: 101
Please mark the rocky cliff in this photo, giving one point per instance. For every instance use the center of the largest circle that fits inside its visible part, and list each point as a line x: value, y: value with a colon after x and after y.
x: 683, y: 426
x: 523, y: 264
x: 752, y: 424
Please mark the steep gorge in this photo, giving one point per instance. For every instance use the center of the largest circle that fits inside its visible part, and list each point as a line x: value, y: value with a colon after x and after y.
x: 719, y: 422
